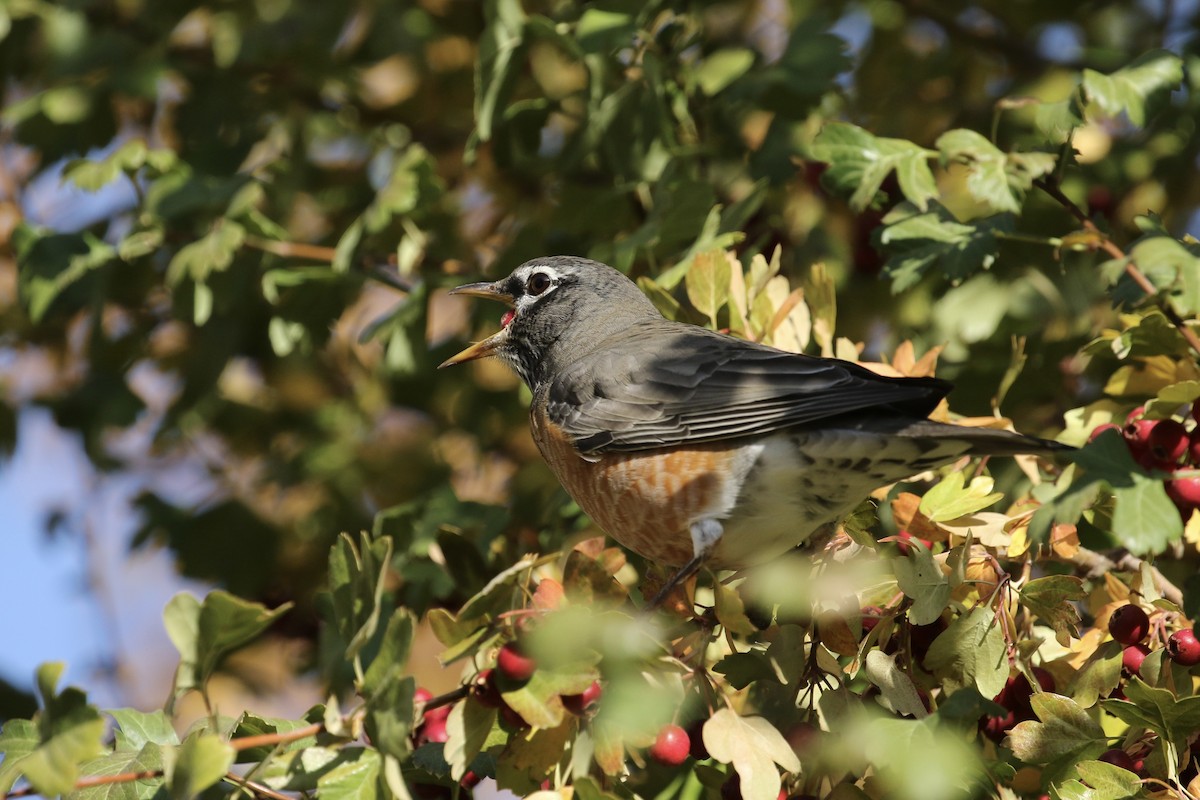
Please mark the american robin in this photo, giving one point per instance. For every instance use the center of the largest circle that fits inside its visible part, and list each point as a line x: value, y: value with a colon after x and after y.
x: 691, y: 447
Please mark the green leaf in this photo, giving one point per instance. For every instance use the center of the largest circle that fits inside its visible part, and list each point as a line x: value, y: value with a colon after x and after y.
x: 1138, y: 88
x: 918, y: 242
x: 894, y: 683
x: 203, y: 633
x: 392, y: 656
x: 148, y: 759
x: 1063, y: 730
x: 753, y: 746
x: 497, y: 64
x: 600, y: 30
x: 212, y: 253
x: 200, y: 762
x: 1157, y: 709
x: 539, y: 701
x: 707, y: 283
x: 135, y: 729
x: 468, y: 727
x: 356, y: 777
x: 1052, y: 600
x: 919, y: 759
x: 356, y: 582
x: 922, y: 580
x: 49, y: 265
x: 1099, y: 676
x: 722, y: 68
x: 742, y: 669
x: 70, y: 732
x: 859, y: 162
x: 1108, y: 782
x: 950, y: 499
x: 18, y: 738
x: 987, y: 179
x: 1173, y: 266
x: 971, y: 652
x: 389, y: 716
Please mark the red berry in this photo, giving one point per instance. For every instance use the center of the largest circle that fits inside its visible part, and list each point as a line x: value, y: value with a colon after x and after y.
x: 485, y: 691
x: 1168, y: 440
x: 1193, y: 453
x: 1129, y: 624
x: 870, y: 618
x: 422, y: 695
x: 470, y: 780
x: 1099, y: 429
x: 1133, y: 656
x: 580, y: 704
x: 434, y: 731
x: 515, y: 665
x: 1183, y: 647
x: 439, y: 713
x: 671, y: 747
x: 1118, y: 758
x: 1185, y: 493
x: 995, y: 728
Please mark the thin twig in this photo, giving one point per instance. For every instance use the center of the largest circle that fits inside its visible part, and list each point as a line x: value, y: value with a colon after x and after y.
x: 257, y: 789
x: 244, y: 743
x: 292, y: 249
x: 1097, y: 564
x: 1109, y: 246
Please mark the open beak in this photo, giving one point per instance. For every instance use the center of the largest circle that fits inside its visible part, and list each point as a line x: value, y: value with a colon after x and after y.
x: 488, y: 291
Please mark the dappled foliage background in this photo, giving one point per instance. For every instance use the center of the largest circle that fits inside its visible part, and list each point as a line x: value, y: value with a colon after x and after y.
x: 247, y: 269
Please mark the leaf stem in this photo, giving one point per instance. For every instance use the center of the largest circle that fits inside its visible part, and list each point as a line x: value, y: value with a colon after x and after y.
x: 1110, y: 247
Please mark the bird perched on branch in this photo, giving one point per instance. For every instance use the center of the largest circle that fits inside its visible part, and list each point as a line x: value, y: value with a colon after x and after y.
x: 695, y: 448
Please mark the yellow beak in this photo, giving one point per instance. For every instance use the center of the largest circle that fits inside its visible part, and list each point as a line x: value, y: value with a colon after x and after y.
x: 488, y: 291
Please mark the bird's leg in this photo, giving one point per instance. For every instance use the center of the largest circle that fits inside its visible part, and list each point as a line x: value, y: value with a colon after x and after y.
x: 705, y: 535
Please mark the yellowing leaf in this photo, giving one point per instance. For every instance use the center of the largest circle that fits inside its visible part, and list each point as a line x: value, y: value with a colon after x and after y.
x: 754, y: 747
x: 894, y: 683
x: 1145, y: 377
x: 707, y: 283
x: 950, y: 499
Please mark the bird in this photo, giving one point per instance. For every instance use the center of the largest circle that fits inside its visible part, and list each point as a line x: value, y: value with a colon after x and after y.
x: 695, y: 448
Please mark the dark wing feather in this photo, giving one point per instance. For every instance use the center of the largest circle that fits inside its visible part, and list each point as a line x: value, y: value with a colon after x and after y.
x: 664, y: 384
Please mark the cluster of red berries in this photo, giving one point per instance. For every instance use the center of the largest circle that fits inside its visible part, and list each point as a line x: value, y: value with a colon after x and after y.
x: 1017, y: 699
x: 1130, y: 625
x: 1166, y: 445
x: 514, y: 667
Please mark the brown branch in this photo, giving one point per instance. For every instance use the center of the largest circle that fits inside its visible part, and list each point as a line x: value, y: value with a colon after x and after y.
x: 256, y: 788
x: 1131, y: 267
x: 244, y: 743
x: 292, y: 249
x: 446, y: 699
x: 1096, y: 564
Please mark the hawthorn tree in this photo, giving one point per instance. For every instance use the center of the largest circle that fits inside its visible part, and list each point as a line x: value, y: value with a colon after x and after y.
x: 281, y: 194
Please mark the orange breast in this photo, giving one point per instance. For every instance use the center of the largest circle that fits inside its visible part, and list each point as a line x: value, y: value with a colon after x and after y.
x: 645, y: 501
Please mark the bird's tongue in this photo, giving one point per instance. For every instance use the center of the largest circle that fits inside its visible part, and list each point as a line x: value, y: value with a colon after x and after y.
x: 507, y: 318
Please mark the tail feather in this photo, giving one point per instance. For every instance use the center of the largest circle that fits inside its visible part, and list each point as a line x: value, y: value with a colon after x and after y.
x: 984, y: 441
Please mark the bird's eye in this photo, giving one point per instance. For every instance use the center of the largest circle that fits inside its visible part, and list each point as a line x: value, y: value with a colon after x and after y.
x: 538, y: 282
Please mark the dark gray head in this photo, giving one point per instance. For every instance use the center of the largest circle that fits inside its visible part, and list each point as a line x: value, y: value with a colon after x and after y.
x: 562, y: 308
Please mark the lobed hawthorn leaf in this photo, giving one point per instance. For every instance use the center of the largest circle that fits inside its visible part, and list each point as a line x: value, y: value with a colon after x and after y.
x: 917, y: 242
x: 753, y: 746
x: 1137, y: 88
x: 859, y: 162
x: 49, y: 265
x: 742, y: 669
x: 204, y: 632
x: 356, y: 583
x: 951, y: 499
x: 1099, y: 676
x: 1157, y: 709
x: 252, y: 725
x: 355, y: 777
x: 135, y: 729
x: 971, y: 652
x: 1051, y: 600
x: 1102, y: 781
x: 922, y: 580
x: 1062, y: 735
x: 149, y: 758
